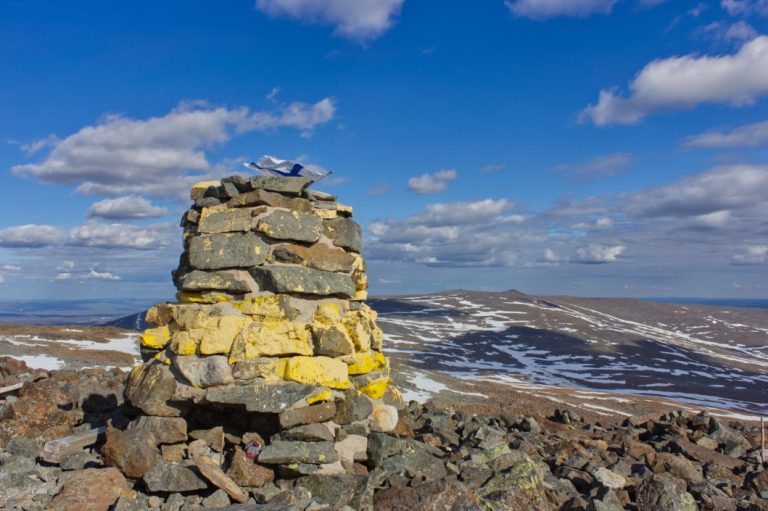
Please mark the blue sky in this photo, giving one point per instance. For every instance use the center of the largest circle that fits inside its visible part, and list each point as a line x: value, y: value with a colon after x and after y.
x: 584, y: 147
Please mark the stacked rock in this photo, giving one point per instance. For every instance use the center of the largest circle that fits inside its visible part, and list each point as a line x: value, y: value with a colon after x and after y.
x: 270, y: 335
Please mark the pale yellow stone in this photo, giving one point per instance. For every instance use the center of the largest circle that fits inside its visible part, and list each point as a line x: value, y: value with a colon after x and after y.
x: 160, y: 314
x: 323, y: 395
x: 365, y: 362
x: 156, y: 338
x: 198, y: 189
x: 271, y: 338
x: 202, y: 297
x: 359, y: 330
x: 265, y: 306
x: 328, y: 313
x: 195, y: 316
x: 361, y: 280
x: 184, y: 342
x: 325, y: 371
x: 325, y: 213
x: 219, y: 340
x: 376, y: 388
x: 377, y: 337
x: 361, y: 295
x: 343, y: 208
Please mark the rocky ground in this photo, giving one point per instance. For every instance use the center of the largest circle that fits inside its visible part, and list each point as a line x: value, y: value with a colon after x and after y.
x: 440, y: 456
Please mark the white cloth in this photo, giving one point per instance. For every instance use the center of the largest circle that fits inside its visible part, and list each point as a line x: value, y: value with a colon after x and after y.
x: 270, y: 165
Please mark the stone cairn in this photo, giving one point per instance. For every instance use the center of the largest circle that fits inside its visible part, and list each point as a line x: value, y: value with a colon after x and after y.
x: 269, y: 353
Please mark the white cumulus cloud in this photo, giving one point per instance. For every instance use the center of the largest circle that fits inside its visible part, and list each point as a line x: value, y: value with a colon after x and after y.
x: 542, y: 9
x: 599, y: 254
x: 716, y: 190
x: 748, y: 135
x: 354, y: 19
x: 685, y: 82
x: 124, y: 208
x: 93, y: 234
x: 162, y: 155
x: 753, y: 255
x: 745, y: 7
x: 10, y: 267
x: 427, y: 184
x: 31, y: 236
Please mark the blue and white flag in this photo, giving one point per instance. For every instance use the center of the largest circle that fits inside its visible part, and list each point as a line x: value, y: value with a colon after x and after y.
x: 271, y: 166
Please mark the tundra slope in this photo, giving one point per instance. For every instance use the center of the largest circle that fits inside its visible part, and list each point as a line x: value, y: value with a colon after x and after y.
x: 703, y: 355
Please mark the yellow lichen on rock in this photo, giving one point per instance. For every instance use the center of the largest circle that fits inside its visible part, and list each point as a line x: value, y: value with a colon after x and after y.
x: 270, y: 338
x: 202, y: 297
x: 198, y: 189
x: 265, y: 306
x: 376, y: 388
x: 219, y: 340
x: 365, y: 362
x: 160, y: 314
x: 358, y: 327
x: 185, y: 342
x: 325, y: 371
x: 323, y: 395
x: 156, y: 338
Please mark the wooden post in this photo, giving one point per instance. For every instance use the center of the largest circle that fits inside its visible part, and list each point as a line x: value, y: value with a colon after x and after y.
x: 54, y: 450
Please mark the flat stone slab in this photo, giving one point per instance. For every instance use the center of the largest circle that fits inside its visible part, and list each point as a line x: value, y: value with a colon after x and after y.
x: 205, y: 371
x: 170, y: 477
x: 263, y: 397
x: 286, y: 451
x: 231, y: 281
x: 230, y: 250
x: 285, y: 225
x: 289, y: 185
x: 297, y: 279
x: 344, y: 232
x: 265, y: 198
x: 211, y: 471
x: 318, y: 256
x: 218, y: 220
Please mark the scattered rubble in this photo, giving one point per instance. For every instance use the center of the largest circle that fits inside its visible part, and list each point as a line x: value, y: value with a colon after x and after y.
x: 434, y: 459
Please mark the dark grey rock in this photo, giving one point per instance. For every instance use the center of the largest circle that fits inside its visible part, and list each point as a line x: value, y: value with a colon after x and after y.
x: 287, y: 185
x: 265, y: 198
x: 166, y: 430
x: 605, y: 500
x: 308, y: 433
x: 229, y: 250
x: 169, y: 477
x: 382, y: 446
x: 300, y: 280
x: 286, y: 452
x: 315, y: 195
x: 344, y: 232
x: 262, y: 396
x: 291, y: 225
x: 217, y: 500
x: 230, y: 281
x: 204, y: 372
x: 340, y: 490
x: 662, y: 492
x: 355, y: 406
x: 149, y: 389
x: 220, y: 220
x: 207, y: 202
x: 79, y: 461
x: 317, y: 256
x: 332, y: 341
